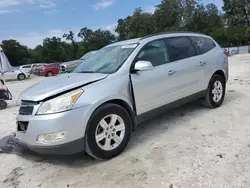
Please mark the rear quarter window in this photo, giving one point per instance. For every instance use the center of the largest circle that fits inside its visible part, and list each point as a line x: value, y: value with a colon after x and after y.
x: 202, y: 45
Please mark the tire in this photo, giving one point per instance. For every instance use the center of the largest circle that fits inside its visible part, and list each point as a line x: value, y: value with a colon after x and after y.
x: 21, y: 77
x: 98, y: 149
x: 49, y: 74
x: 3, y: 104
x: 210, y: 101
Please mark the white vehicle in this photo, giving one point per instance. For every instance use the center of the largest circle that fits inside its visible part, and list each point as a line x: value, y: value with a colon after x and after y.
x: 26, y: 68
x: 16, y: 75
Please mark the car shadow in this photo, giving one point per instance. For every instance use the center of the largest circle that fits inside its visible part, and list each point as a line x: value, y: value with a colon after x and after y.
x: 162, y: 121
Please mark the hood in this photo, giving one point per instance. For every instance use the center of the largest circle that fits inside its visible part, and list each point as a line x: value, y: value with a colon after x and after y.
x: 72, y: 62
x: 59, y: 84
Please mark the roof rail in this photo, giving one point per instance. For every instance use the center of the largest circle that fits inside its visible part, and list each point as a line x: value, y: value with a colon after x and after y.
x: 172, y: 32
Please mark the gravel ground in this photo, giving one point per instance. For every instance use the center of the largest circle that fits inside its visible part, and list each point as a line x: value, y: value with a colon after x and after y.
x: 188, y: 147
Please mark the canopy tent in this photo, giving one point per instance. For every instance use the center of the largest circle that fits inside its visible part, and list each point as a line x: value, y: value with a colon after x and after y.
x: 4, y: 63
x: 4, y: 67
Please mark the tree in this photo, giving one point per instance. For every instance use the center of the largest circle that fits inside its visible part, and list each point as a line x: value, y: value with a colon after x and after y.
x: 140, y: 24
x: 36, y: 54
x: 53, y: 50
x: 16, y: 53
x: 94, y: 40
x: 123, y: 28
x: 168, y: 15
x: 237, y: 12
x: 70, y: 37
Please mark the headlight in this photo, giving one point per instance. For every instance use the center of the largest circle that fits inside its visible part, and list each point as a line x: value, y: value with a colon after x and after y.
x: 61, y: 103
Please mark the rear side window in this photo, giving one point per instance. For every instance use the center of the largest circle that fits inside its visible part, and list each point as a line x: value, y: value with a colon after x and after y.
x: 202, y: 45
x: 179, y: 48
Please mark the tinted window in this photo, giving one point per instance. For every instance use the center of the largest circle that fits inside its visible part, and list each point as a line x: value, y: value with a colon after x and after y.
x: 202, y: 45
x: 26, y: 66
x: 179, y: 48
x: 154, y: 52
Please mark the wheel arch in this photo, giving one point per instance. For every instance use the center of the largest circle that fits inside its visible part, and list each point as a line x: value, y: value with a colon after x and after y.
x: 124, y: 105
x: 221, y: 73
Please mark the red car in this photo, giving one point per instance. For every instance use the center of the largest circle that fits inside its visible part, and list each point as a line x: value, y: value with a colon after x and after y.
x: 49, y: 70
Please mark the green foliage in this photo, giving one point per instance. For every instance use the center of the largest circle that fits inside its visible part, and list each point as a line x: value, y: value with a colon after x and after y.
x: 16, y: 53
x: 230, y: 29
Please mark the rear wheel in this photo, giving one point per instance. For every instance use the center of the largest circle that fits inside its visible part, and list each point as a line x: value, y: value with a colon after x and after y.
x: 215, y: 92
x: 108, y: 132
x: 21, y: 76
x: 3, y: 104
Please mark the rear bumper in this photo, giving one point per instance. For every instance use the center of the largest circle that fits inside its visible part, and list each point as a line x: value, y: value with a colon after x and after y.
x: 63, y: 149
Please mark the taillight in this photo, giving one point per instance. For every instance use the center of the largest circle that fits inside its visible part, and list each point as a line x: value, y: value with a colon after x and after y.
x: 226, y: 53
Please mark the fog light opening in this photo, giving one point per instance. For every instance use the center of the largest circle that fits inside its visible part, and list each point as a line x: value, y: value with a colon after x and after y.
x: 52, y: 137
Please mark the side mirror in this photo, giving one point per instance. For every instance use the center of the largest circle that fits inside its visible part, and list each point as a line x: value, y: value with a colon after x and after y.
x: 143, y: 65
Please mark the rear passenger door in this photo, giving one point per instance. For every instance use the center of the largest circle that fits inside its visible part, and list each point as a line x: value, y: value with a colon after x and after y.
x: 205, y: 48
x: 186, y: 66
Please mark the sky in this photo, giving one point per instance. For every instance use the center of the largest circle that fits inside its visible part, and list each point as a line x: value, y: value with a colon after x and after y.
x: 30, y: 21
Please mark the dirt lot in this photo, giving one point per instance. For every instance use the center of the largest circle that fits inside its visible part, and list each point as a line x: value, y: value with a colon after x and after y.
x: 188, y: 147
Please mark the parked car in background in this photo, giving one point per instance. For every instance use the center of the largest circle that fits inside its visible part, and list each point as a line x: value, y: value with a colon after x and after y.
x: 233, y: 52
x: 49, y: 70
x: 96, y: 107
x: 27, y: 68
x: 71, y: 65
x: 37, y: 68
x: 16, y: 75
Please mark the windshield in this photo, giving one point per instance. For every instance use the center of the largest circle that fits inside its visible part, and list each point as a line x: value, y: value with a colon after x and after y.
x: 107, y: 60
x: 87, y: 55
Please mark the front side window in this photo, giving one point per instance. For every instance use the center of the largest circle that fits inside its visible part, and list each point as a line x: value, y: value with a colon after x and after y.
x: 179, y: 48
x: 202, y: 45
x: 106, y: 60
x: 155, y: 52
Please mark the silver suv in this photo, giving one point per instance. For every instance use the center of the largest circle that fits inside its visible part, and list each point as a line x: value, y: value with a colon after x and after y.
x: 96, y: 107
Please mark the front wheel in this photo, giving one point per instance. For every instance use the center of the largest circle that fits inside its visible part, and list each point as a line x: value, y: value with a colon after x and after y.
x: 215, y: 92
x: 21, y: 76
x: 108, y: 132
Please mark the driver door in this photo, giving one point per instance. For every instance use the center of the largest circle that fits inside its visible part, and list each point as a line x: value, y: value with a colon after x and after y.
x: 151, y: 86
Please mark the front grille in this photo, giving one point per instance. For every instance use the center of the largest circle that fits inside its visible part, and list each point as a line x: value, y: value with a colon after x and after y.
x: 22, y: 126
x: 27, y: 107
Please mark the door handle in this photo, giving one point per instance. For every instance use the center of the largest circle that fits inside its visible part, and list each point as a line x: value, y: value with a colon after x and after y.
x: 202, y: 63
x: 171, y: 72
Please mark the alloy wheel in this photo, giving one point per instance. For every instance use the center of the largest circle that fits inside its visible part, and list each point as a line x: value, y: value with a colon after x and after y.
x: 217, y: 91
x: 110, y: 132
